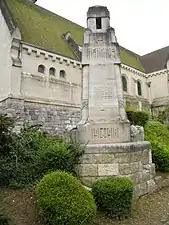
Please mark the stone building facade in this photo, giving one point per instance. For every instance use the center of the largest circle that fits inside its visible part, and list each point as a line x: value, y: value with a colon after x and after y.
x: 41, y: 69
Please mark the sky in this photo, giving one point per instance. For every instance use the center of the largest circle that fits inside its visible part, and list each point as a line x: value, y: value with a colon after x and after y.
x: 140, y: 25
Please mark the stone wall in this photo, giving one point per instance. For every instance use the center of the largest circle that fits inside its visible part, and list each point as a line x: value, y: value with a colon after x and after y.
x: 54, y: 118
x: 132, y: 160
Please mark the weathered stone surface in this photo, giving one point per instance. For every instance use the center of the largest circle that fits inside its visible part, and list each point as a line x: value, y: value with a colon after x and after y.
x: 136, y: 156
x: 146, y: 157
x: 130, y: 168
x: 90, y: 170
x: 151, y: 185
x: 140, y: 189
x: 158, y: 180
x: 53, y: 118
x: 136, y: 177
x: 98, y: 158
x: 108, y: 169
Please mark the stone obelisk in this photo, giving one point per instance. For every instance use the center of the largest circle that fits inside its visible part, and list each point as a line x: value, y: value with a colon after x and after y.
x: 104, y: 126
x: 103, y: 115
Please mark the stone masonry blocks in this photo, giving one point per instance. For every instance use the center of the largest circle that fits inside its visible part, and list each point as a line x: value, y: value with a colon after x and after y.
x: 132, y: 160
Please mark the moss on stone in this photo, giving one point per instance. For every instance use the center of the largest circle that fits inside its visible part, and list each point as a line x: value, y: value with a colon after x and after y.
x: 43, y: 28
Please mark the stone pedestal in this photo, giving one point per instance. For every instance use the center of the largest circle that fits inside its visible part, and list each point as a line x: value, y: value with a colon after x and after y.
x: 132, y: 160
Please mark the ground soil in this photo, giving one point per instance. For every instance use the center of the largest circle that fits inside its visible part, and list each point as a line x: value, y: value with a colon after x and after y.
x: 20, y: 207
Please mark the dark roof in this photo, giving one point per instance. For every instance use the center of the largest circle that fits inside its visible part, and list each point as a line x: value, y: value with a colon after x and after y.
x: 156, y: 60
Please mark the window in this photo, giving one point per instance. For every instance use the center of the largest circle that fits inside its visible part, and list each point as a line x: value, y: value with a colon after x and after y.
x: 52, y: 71
x: 41, y: 69
x: 98, y: 23
x: 139, y: 88
x: 124, y: 83
x: 62, y: 74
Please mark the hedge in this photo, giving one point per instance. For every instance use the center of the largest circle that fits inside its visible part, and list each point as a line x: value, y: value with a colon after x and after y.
x: 114, y: 195
x: 63, y: 200
x: 158, y: 135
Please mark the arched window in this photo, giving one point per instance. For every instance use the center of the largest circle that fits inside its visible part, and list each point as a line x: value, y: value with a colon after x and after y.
x: 139, y: 90
x: 124, y: 83
x: 41, y: 69
x: 52, y: 71
x: 62, y: 74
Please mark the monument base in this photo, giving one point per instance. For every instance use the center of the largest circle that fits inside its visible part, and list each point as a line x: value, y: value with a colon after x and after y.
x: 104, y: 133
x: 132, y: 160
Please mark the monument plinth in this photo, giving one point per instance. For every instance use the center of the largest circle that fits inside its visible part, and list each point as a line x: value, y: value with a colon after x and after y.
x: 104, y: 125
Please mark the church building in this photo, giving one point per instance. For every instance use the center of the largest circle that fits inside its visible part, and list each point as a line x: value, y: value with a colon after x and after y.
x: 41, y: 69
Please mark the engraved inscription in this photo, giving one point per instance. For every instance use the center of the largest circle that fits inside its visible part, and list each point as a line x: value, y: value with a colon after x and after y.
x: 104, y: 133
x: 101, y: 53
x: 103, y: 92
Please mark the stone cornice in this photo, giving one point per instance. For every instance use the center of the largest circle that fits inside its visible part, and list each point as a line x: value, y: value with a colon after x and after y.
x: 52, y: 79
x: 157, y: 73
x: 49, y: 102
x: 36, y: 100
x: 47, y: 55
x: 128, y: 68
x: 157, y: 102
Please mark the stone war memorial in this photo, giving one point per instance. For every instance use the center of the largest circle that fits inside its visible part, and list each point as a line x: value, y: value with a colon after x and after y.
x: 104, y: 127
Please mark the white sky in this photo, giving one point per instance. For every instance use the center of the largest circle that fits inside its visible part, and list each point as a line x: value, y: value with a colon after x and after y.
x: 140, y: 25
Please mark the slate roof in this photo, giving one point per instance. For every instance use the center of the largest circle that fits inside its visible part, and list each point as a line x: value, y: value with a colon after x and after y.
x: 155, y: 60
x: 45, y: 29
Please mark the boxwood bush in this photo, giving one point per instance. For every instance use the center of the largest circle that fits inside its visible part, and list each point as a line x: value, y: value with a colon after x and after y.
x: 63, y: 200
x: 114, y: 196
x: 158, y: 135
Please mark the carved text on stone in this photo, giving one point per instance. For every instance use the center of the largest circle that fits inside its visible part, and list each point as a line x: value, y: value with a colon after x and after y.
x: 103, y: 92
x: 101, y: 53
x: 104, y: 133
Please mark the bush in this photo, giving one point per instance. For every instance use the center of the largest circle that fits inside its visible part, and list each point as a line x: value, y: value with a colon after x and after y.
x: 32, y: 153
x: 163, y: 115
x: 3, y: 220
x: 63, y: 200
x: 6, y: 126
x: 114, y: 195
x: 139, y: 118
x: 158, y: 135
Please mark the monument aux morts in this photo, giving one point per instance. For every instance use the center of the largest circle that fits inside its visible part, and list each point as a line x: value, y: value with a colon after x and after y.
x: 104, y: 125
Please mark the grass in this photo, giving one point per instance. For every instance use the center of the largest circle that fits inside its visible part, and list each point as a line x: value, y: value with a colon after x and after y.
x: 45, y: 29
x: 20, y: 206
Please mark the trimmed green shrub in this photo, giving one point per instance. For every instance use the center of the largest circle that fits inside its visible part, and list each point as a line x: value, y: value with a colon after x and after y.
x: 114, y: 195
x: 139, y: 118
x: 62, y: 200
x: 158, y: 135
